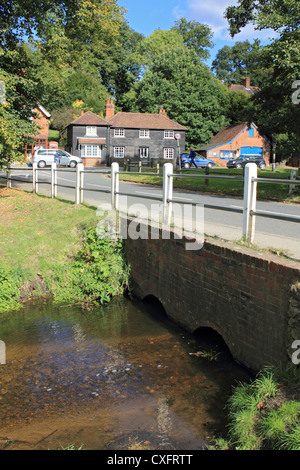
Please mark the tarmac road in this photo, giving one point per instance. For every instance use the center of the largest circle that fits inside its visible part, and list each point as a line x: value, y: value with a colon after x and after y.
x: 270, y: 233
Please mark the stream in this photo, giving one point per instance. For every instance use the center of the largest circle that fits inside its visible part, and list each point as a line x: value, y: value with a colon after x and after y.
x: 120, y: 376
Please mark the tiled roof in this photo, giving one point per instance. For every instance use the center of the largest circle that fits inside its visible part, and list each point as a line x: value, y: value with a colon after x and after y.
x: 144, y: 121
x: 89, y: 119
x: 251, y: 90
x: 227, y: 134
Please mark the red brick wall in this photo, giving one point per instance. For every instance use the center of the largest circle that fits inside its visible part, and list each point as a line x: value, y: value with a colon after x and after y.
x: 43, y: 122
x: 243, y: 140
x: 242, y: 294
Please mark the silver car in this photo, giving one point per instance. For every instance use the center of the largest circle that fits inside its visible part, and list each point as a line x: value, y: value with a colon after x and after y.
x: 45, y: 157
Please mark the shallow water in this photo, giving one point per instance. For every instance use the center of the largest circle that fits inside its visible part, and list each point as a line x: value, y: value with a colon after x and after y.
x: 109, y: 378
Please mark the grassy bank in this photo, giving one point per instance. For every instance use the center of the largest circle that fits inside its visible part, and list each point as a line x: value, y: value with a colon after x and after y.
x: 269, y: 191
x: 265, y: 414
x: 50, y: 246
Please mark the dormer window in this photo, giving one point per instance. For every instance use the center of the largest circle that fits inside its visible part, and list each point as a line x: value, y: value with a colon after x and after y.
x: 91, y: 130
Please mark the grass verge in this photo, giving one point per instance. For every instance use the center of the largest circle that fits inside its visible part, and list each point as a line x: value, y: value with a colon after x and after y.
x: 266, y: 191
x: 51, y: 246
x: 265, y: 414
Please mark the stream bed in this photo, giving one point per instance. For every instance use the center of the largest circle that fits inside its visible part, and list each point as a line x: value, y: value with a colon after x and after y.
x: 120, y: 376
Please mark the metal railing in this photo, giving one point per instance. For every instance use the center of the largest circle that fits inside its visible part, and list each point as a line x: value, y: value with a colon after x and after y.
x: 248, y: 211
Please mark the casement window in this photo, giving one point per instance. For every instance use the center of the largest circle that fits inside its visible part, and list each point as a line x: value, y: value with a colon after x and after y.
x: 90, y: 150
x: 91, y: 130
x: 119, y: 132
x: 144, y: 152
x: 251, y: 132
x: 169, y: 135
x: 227, y: 154
x: 119, y: 152
x: 168, y: 153
x: 144, y: 133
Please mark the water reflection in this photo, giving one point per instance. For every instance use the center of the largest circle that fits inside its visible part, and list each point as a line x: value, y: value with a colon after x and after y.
x: 119, y: 362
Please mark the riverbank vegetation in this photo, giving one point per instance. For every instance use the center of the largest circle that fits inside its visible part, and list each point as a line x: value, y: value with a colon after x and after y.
x: 50, y: 247
x: 265, y: 413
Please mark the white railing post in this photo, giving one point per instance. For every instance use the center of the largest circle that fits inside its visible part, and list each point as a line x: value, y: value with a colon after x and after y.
x: 250, y: 192
x: 53, y: 179
x: 293, y: 177
x: 167, y: 192
x: 79, y: 169
x: 34, y: 178
x: 115, y: 185
x: 8, y: 177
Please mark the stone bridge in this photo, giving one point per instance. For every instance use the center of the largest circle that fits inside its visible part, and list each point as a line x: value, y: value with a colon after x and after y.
x: 250, y: 298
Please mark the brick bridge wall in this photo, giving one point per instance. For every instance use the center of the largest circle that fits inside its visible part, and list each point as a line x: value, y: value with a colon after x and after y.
x: 248, y: 297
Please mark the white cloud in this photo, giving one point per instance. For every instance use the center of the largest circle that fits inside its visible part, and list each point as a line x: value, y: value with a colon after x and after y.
x: 211, y: 12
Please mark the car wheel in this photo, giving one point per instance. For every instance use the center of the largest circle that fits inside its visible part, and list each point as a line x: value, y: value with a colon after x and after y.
x: 209, y: 165
x: 41, y: 164
x: 186, y: 165
x: 238, y: 166
x: 73, y: 164
x: 262, y: 166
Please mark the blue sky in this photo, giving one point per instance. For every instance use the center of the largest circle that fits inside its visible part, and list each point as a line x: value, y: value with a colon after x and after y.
x: 145, y: 16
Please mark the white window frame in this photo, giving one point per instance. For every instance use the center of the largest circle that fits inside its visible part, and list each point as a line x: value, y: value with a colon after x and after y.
x: 169, y: 153
x: 144, y: 133
x: 119, y: 132
x: 91, y: 130
x: 119, y: 152
x: 144, y: 152
x: 95, y: 151
x: 168, y: 134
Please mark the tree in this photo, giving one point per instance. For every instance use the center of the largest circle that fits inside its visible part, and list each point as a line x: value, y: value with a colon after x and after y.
x: 196, y: 36
x: 187, y: 89
x: 278, y: 114
x: 232, y: 64
x: 66, y: 33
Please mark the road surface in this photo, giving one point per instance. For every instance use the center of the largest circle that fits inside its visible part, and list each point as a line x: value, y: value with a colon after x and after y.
x: 270, y: 233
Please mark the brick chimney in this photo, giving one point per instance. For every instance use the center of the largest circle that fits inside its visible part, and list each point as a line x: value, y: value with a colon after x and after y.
x: 109, y: 109
x: 163, y: 112
x: 246, y: 82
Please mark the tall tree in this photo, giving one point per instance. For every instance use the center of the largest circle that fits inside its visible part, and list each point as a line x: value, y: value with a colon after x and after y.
x: 232, y: 64
x: 196, y: 36
x: 64, y: 31
x: 279, y: 113
x: 187, y: 89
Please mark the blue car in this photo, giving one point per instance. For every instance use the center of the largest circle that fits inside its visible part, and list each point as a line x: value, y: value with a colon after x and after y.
x: 200, y: 161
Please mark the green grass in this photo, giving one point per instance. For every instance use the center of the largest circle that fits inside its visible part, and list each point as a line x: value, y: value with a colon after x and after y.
x: 53, y: 135
x: 55, y: 241
x: 263, y: 418
x: 231, y: 187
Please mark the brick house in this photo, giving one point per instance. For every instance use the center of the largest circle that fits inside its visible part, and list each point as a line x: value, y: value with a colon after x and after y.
x: 145, y: 137
x: 235, y: 141
x: 40, y: 139
x: 244, y: 86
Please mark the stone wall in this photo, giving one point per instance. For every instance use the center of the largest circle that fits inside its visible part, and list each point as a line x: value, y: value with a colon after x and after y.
x: 246, y: 296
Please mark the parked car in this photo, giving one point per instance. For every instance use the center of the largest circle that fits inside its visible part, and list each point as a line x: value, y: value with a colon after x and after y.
x: 200, y: 161
x: 240, y: 162
x: 44, y: 157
